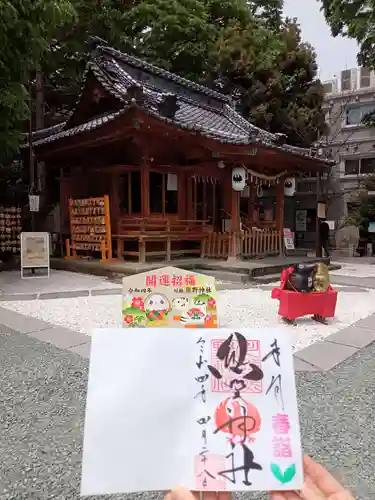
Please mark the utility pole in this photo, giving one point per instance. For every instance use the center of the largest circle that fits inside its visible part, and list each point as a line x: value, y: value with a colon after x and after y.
x: 318, y: 238
x: 31, y: 157
x: 318, y: 248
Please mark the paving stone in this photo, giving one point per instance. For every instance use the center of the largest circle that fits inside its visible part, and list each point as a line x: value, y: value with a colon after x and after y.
x: 302, y: 366
x: 18, y: 296
x: 107, y: 291
x: 60, y: 337
x: 64, y: 295
x: 20, y: 322
x: 368, y: 322
x: 83, y: 350
x: 326, y: 355
x: 353, y: 336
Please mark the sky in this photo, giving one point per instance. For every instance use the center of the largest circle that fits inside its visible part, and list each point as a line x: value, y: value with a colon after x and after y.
x: 333, y: 54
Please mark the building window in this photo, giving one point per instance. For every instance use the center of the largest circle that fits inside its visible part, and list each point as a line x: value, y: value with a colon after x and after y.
x: 130, y: 193
x: 356, y: 114
x: 367, y: 166
x: 365, y: 80
x: 351, y: 167
x: 361, y: 166
x: 346, y: 78
x: 327, y: 87
x: 163, y: 194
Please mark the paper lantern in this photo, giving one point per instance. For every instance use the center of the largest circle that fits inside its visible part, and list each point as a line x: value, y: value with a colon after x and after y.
x: 290, y: 186
x: 239, y: 177
x: 34, y: 202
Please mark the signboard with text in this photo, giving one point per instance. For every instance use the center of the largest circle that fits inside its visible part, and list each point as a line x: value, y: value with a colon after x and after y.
x: 288, y: 239
x: 35, y: 254
x: 169, y: 297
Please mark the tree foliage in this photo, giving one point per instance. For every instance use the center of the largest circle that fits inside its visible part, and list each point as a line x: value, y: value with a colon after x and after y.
x: 241, y: 47
x: 26, y: 28
x: 273, y: 76
x: 364, y: 204
x: 353, y: 19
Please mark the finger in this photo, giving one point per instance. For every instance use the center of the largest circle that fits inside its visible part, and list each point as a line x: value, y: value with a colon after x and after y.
x: 180, y: 493
x: 284, y: 495
x: 310, y: 491
x: 321, y: 477
x: 216, y: 495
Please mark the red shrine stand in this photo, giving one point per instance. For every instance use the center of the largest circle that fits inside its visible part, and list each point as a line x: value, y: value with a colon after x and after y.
x: 294, y: 304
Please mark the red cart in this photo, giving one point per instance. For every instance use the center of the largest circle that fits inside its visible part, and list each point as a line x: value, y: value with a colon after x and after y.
x: 294, y: 304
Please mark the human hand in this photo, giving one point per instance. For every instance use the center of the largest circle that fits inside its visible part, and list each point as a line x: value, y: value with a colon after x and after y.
x: 181, y: 493
x: 319, y: 485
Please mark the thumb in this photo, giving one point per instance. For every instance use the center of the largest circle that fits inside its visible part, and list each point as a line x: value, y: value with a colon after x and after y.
x: 180, y: 493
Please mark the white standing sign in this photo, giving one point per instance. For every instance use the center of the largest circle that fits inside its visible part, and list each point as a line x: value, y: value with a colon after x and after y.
x: 35, y: 253
x: 288, y: 239
x: 209, y: 409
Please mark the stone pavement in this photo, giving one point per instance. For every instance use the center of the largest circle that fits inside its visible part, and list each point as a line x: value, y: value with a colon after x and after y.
x: 43, y: 392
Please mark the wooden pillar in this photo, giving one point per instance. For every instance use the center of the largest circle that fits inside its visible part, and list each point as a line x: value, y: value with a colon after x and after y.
x: 65, y: 194
x: 145, y: 183
x: 114, y: 199
x: 280, y: 211
x: 235, y: 210
x: 236, y: 223
x: 183, y: 195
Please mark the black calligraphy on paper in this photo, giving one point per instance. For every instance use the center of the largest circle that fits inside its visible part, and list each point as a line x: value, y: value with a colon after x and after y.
x: 233, y: 352
x: 274, y: 352
x: 248, y: 464
x: 275, y: 385
x: 277, y: 389
x: 202, y: 421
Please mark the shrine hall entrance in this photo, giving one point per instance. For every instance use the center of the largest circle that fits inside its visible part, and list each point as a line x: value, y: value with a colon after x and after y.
x: 207, y: 200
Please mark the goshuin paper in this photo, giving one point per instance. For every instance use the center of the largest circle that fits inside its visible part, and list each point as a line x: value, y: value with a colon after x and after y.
x: 210, y: 409
x: 169, y: 297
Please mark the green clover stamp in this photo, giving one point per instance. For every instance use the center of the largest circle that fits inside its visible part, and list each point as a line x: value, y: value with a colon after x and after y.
x: 285, y: 477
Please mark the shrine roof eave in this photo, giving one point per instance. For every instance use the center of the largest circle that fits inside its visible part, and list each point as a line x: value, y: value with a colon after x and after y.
x: 80, y: 130
x: 230, y: 143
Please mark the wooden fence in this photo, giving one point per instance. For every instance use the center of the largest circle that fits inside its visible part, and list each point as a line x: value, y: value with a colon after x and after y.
x: 250, y: 244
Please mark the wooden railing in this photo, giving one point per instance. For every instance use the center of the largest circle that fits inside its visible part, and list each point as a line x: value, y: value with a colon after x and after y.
x: 146, y: 225
x: 216, y: 245
x: 145, y: 238
x: 260, y: 243
x: 255, y: 243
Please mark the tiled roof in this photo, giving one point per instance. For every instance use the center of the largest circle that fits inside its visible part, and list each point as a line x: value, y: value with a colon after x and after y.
x: 134, y: 61
x: 80, y: 129
x: 212, y: 116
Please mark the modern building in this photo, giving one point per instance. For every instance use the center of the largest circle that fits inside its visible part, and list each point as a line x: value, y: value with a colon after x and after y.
x: 349, y: 98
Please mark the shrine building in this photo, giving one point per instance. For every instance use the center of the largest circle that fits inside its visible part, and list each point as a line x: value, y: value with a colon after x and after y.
x: 183, y: 174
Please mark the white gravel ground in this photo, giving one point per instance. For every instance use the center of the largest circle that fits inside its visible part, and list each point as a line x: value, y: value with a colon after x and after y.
x: 245, y: 308
x: 355, y: 270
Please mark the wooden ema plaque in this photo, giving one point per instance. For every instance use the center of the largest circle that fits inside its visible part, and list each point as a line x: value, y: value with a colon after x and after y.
x: 90, y: 228
x: 10, y: 229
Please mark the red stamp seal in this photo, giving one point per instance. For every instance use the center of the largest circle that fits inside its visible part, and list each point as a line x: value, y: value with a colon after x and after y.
x: 252, y: 357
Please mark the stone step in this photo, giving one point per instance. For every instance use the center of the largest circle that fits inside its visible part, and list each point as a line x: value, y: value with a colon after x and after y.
x: 266, y: 279
x: 271, y: 278
x: 225, y: 276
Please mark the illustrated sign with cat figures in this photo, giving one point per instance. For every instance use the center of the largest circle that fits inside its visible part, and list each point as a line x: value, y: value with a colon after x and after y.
x: 169, y: 297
